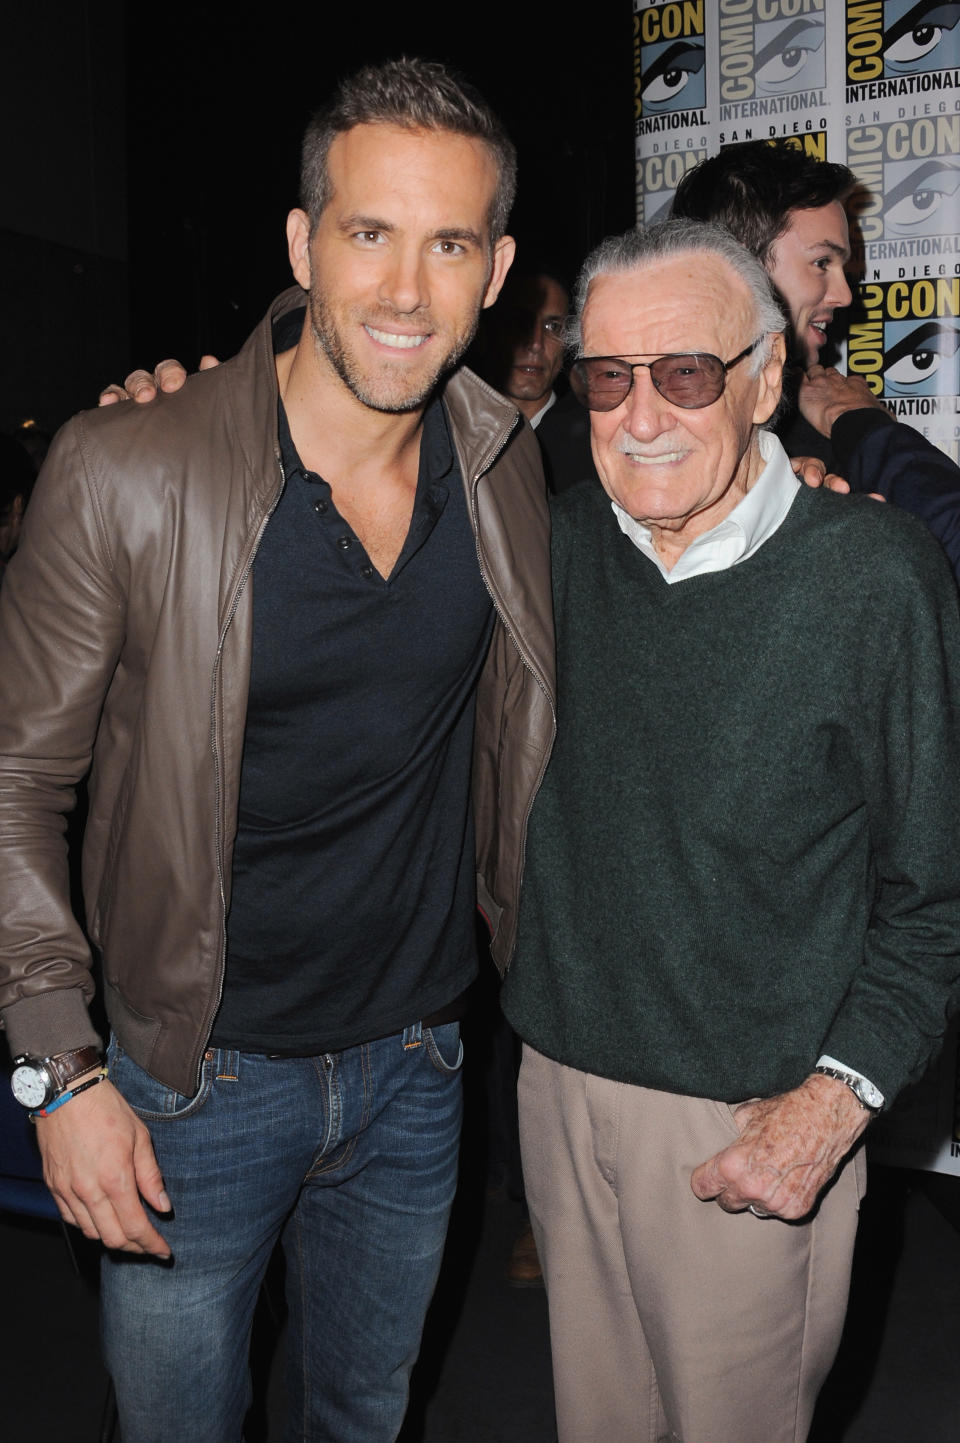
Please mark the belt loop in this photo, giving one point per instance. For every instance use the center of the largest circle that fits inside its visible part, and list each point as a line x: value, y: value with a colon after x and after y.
x: 229, y: 1068
x: 413, y: 1036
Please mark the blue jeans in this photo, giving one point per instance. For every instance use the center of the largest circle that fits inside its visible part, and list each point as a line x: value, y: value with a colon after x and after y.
x: 350, y: 1159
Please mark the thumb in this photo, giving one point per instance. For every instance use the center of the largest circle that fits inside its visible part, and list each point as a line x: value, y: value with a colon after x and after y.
x: 147, y: 1172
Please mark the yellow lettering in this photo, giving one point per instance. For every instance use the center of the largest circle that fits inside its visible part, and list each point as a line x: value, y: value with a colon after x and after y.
x: 669, y: 22
x: 898, y: 301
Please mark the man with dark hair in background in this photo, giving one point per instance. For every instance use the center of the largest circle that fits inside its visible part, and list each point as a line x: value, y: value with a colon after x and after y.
x: 789, y: 210
x: 520, y: 344
x: 277, y: 613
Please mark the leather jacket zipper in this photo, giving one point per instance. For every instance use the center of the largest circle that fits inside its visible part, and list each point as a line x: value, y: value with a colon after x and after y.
x: 485, y: 466
x: 214, y: 747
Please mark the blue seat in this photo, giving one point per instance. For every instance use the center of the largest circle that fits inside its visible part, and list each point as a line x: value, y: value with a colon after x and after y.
x: 22, y: 1188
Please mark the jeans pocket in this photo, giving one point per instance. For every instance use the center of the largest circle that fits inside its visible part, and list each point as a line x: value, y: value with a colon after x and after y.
x: 444, y: 1046
x: 151, y: 1100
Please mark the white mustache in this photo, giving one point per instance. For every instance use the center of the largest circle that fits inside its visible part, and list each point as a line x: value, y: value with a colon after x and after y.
x: 629, y: 448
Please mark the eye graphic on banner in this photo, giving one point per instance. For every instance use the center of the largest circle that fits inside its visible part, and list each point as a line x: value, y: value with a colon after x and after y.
x: 914, y: 203
x: 900, y: 41
x: 924, y: 37
x: 673, y: 78
x: 790, y: 56
x: 922, y: 361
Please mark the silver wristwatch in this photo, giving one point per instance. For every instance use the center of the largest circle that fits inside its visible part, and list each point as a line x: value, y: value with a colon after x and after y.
x: 866, y: 1094
x: 36, y: 1081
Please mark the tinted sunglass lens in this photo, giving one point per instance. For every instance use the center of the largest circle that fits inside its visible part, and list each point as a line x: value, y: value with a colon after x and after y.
x: 600, y: 385
x: 688, y: 381
x: 691, y: 381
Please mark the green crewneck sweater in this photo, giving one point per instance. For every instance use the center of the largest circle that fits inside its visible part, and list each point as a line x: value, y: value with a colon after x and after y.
x: 746, y: 849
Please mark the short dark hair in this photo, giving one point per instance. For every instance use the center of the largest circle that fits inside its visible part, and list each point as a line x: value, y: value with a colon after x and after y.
x: 418, y: 95
x: 751, y: 189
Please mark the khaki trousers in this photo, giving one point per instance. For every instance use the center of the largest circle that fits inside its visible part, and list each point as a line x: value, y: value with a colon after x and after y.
x: 669, y: 1318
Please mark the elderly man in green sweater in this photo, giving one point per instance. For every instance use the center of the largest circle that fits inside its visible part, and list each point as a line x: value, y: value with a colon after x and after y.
x: 741, y: 916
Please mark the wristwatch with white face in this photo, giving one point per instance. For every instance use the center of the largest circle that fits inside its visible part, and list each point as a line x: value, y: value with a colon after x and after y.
x: 36, y: 1081
x: 864, y: 1091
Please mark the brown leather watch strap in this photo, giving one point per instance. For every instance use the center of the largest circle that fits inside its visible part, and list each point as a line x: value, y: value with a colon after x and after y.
x: 68, y: 1065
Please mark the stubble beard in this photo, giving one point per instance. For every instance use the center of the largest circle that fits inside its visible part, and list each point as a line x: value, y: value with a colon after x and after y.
x: 389, y: 394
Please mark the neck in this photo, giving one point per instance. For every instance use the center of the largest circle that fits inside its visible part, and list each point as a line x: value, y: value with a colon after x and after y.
x: 530, y: 408
x: 671, y: 541
x: 334, y: 432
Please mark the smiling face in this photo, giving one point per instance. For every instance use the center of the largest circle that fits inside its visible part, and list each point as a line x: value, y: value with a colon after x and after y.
x: 806, y: 264
x: 400, y: 263
x: 678, y: 471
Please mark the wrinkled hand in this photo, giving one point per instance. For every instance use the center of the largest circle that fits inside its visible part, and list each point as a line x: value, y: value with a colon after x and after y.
x: 142, y: 386
x: 790, y: 1147
x: 98, y: 1162
x: 813, y: 472
x: 825, y: 394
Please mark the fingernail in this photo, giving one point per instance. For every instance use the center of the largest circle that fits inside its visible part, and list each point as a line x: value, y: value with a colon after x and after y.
x: 166, y: 1205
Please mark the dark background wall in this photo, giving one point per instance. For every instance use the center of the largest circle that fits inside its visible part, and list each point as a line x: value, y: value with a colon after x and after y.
x: 63, y: 236
x: 151, y: 156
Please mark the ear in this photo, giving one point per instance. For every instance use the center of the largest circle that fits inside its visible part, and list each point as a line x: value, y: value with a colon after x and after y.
x: 503, y: 254
x: 298, y: 246
x: 770, y: 381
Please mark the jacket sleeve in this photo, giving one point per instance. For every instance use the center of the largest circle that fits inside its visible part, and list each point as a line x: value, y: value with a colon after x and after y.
x: 874, y: 452
x: 61, y: 629
x: 892, y: 1019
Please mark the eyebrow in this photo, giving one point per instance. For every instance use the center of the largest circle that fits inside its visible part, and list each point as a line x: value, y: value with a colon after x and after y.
x: 844, y: 252
x: 457, y: 233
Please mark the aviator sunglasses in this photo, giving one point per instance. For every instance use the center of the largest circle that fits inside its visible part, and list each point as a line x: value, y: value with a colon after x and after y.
x: 689, y: 379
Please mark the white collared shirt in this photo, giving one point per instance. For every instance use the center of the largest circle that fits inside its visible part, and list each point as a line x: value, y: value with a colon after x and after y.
x: 751, y: 522
x: 551, y: 401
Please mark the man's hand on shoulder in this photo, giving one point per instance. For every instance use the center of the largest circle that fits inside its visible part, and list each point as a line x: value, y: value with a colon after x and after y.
x: 98, y: 1162
x: 812, y: 472
x: 790, y: 1147
x: 143, y: 385
x: 825, y: 394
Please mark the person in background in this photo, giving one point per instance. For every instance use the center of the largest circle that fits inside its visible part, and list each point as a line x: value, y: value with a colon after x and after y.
x: 789, y: 211
x: 520, y: 346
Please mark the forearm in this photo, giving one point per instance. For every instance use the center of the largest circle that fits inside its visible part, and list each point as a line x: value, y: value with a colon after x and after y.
x: 876, y: 454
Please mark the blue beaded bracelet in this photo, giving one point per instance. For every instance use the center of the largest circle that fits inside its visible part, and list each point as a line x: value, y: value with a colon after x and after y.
x: 66, y: 1096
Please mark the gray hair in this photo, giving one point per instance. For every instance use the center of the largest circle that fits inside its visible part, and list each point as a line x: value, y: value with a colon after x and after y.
x: 635, y: 250
x: 417, y: 95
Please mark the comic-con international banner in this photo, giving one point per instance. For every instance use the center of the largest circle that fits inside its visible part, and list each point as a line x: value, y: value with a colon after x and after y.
x: 874, y: 84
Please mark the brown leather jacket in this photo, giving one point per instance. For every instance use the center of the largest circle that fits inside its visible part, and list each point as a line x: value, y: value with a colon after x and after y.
x: 125, y: 636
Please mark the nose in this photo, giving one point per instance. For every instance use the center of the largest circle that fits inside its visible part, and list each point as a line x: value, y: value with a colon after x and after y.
x: 839, y: 293
x: 527, y: 333
x: 403, y: 285
x: 533, y: 340
x: 646, y: 413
